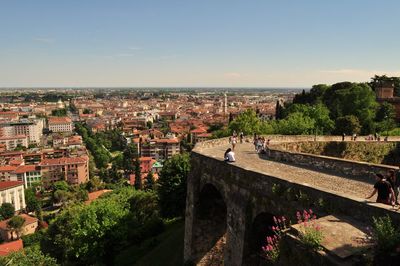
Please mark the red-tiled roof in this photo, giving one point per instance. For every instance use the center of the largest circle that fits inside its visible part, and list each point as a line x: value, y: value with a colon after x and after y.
x: 63, y: 160
x: 25, y: 168
x: 7, y: 168
x: 59, y: 120
x: 205, y: 135
x: 199, y: 130
x: 28, y: 220
x: 9, y: 184
x: 9, y: 247
x: 166, y: 140
x: 16, y: 162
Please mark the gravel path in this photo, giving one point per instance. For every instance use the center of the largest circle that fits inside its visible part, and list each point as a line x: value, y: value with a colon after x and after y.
x: 247, y: 158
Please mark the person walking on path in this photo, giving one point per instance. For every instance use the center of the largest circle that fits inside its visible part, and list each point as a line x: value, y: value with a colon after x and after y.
x: 384, y: 189
x: 233, y: 142
x: 241, y: 136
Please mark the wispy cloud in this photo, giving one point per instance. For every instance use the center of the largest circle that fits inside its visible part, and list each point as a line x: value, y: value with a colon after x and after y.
x: 44, y: 40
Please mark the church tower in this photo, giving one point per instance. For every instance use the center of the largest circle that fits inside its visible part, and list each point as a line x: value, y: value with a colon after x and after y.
x: 225, y: 109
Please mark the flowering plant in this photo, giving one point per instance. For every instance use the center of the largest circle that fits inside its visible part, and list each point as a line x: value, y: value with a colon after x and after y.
x: 310, y: 231
x: 271, y: 250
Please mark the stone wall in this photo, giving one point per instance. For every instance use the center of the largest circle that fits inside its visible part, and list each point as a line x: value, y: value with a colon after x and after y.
x: 365, y: 151
x: 248, y: 193
x: 356, y: 170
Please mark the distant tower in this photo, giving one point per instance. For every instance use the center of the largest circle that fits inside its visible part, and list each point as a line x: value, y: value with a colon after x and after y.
x: 225, y: 110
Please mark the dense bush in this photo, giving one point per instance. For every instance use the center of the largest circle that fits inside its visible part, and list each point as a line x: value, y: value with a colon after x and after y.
x: 172, y: 185
x: 90, y: 234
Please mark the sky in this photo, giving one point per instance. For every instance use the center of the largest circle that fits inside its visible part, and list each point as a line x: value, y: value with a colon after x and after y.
x: 192, y: 43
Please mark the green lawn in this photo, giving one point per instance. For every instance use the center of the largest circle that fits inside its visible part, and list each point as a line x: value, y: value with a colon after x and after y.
x: 165, y: 249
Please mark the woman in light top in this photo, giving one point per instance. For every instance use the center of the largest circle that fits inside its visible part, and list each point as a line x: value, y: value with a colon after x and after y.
x: 229, y: 156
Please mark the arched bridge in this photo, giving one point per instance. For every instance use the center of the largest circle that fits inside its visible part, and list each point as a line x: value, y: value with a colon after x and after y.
x: 229, y: 206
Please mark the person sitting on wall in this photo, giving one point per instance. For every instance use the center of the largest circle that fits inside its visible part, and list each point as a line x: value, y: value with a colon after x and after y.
x: 384, y: 189
x: 229, y: 156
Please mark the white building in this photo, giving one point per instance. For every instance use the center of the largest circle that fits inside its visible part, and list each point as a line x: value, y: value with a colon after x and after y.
x: 12, y: 142
x: 32, y: 128
x: 28, y: 174
x: 60, y: 124
x: 13, y: 192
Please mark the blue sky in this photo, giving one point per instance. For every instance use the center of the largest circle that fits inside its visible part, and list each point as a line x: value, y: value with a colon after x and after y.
x: 259, y: 43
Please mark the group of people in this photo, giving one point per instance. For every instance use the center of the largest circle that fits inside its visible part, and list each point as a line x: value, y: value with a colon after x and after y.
x: 261, y: 144
x: 387, y: 187
x: 371, y: 137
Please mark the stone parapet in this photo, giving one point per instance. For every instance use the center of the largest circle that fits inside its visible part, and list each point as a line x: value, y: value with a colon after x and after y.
x: 362, y: 171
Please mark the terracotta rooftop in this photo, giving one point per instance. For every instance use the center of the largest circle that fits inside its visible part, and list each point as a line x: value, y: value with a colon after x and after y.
x: 10, y: 184
x: 59, y: 120
x: 28, y: 220
x: 9, y: 247
x: 63, y: 160
x: 166, y: 140
x: 7, y: 168
x: 25, y: 168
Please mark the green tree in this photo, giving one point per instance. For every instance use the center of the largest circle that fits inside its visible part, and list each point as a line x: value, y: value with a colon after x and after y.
x: 29, y: 256
x: 150, y: 182
x: 62, y: 196
x: 60, y: 185
x: 92, y: 234
x: 149, y: 124
x: 7, y: 210
x: 385, y: 117
x: 138, y: 175
x: 346, y: 98
x: 32, y: 203
x: 172, y: 185
x: 15, y: 224
x: 94, y: 184
x: 129, y: 154
x: 347, y: 124
x: 59, y: 112
x: 246, y: 122
x: 295, y: 124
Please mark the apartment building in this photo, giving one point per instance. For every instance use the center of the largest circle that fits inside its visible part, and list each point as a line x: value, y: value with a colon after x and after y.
x: 160, y: 148
x: 12, y: 142
x: 60, y: 124
x: 74, y: 170
x: 32, y: 128
x: 13, y: 192
x: 28, y: 174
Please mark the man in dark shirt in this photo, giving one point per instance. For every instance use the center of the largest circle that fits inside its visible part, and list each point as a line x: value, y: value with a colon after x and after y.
x: 384, y: 189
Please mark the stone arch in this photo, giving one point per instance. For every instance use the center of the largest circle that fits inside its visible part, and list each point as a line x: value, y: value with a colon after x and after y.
x: 260, y: 228
x: 210, y: 225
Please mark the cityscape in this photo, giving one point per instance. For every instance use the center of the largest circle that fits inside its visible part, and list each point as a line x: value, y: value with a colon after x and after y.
x: 187, y: 133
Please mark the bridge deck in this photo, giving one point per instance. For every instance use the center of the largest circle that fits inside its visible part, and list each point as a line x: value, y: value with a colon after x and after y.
x: 247, y: 158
